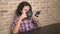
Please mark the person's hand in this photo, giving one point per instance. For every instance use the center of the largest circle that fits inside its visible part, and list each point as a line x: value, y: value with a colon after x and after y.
x: 23, y: 15
x: 36, y: 18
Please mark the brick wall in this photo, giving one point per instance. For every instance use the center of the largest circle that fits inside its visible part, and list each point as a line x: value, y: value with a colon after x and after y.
x: 49, y: 12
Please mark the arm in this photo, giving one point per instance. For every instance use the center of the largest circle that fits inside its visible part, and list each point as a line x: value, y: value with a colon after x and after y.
x: 16, y: 27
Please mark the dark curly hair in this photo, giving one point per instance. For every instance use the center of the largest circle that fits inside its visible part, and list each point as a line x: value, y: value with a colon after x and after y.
x: 21, y: 6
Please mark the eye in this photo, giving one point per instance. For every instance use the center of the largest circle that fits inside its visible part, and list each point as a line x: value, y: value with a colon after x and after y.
x: 26, y: 9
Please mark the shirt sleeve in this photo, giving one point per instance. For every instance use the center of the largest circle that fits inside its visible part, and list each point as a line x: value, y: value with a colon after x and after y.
x: 14, y: 22
x: 34, y: 22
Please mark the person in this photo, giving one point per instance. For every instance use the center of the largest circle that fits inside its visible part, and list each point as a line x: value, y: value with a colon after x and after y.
x: 21, y: 23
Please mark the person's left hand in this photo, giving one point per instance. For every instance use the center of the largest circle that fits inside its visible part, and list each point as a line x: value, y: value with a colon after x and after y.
x: 36, y: 18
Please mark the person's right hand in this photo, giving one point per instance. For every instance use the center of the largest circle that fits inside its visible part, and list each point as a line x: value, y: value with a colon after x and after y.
x: 23, y: 15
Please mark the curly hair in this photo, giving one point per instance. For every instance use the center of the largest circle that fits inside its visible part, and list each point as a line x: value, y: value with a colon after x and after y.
x: 21, y: 6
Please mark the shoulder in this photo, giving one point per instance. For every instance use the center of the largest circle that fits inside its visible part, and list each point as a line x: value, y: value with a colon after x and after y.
x: 15, y: 18
x: 32, y: 19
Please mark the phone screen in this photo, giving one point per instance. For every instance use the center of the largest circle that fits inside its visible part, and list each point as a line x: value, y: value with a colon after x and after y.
x: 37, y: 13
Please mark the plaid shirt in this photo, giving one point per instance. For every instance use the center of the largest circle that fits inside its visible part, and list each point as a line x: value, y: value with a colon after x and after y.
x: 25, y: 24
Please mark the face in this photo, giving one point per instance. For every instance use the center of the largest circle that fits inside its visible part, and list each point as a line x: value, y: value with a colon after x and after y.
x: 25, y: 9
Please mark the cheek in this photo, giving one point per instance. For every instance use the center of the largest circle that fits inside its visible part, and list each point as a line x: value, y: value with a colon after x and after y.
x: 28, y: 9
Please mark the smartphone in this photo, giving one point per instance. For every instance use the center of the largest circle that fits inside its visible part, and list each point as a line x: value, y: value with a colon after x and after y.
x: 37, y: 13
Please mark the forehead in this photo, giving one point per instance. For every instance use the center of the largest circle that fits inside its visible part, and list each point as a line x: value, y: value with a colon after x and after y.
x: 26, y: 6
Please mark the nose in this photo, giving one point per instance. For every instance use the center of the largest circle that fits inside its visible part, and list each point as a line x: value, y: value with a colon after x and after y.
x: 25, y: 9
